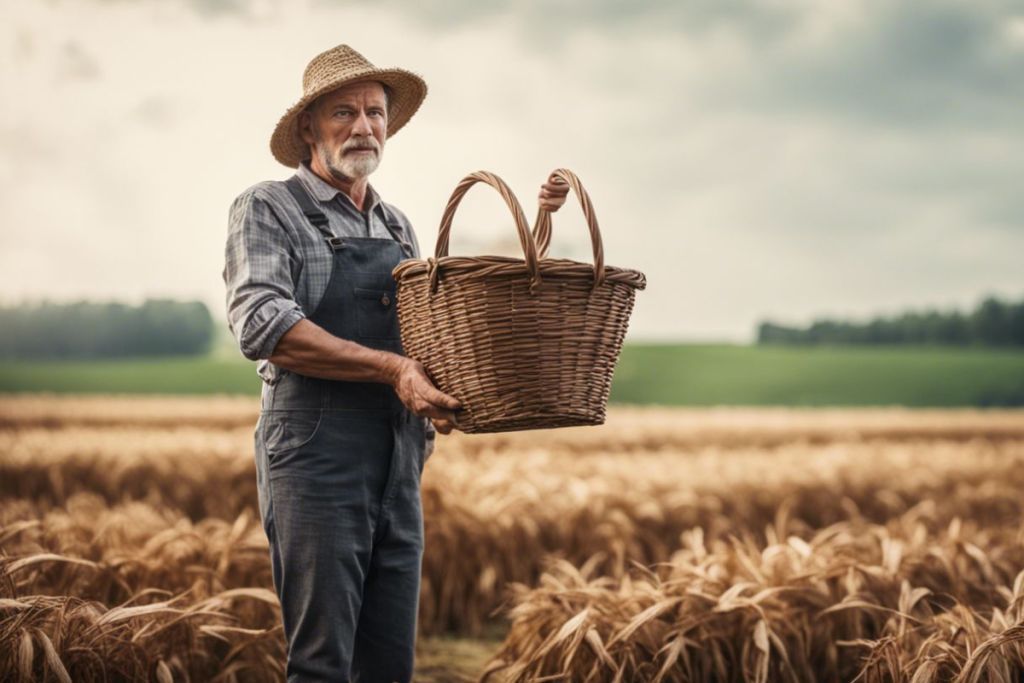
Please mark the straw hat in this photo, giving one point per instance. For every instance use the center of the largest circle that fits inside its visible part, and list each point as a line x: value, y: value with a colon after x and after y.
x: 330, y: 70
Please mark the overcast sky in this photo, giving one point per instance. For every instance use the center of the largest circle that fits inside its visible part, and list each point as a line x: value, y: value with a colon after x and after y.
x: 755, y: 159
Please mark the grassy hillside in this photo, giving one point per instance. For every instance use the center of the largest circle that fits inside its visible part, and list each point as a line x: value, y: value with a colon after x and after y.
x: 177, y: 375
x: 812, y: 376
x: 666, y: 374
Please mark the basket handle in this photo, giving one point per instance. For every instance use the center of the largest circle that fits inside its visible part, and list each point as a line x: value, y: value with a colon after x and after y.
x: 525, y: 236
x: 542, y: 226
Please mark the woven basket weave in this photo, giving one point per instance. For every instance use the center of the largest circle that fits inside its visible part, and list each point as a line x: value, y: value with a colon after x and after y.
x: 525, y: 343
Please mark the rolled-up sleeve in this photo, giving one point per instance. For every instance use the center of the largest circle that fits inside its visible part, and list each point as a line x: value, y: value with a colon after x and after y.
x: 259, y: 274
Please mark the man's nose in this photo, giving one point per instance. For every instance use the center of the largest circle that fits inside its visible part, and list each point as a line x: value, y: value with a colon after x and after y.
x: 362, y: 125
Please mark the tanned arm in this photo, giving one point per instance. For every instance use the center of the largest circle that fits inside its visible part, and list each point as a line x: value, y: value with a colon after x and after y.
x: 308, y: 349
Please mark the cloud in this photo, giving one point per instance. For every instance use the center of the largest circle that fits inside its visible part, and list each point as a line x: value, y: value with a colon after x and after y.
x: 753, y: 158
x: 24, y: 46
x: 757, y: 20
x: 156, y: 111
x: 913, y: 63
x: 75, y: 63
x: 204, y: 8
x: 223, y: 7
x: 909, y: 63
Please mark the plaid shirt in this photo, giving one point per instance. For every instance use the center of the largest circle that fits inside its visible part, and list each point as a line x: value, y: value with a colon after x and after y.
x: 276, y: 268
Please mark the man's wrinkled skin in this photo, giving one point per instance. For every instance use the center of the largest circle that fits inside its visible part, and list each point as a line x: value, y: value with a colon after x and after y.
x: 346, y: 130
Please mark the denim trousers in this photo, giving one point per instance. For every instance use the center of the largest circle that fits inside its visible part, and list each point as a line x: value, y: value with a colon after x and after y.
x: 339, y: 497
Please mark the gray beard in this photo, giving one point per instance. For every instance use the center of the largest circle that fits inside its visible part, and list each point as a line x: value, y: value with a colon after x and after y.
x: 348, y: 168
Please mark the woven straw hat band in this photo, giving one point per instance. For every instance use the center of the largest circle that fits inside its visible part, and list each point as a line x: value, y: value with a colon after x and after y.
x: 331, y: 70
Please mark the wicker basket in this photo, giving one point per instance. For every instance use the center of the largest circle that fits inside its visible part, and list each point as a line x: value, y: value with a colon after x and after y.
x: 523, y: 343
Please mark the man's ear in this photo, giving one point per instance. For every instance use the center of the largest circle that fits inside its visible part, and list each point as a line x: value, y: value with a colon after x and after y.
x: 305, y: 124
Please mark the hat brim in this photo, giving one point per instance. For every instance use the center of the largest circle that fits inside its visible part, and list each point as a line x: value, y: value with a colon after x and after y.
x: 407, y: 93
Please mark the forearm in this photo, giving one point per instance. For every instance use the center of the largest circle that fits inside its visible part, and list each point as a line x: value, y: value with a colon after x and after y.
x: 308, y: 349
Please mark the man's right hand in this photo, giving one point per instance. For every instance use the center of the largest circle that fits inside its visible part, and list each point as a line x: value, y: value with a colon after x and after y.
x: 308, y: 349
x: 420, y: 396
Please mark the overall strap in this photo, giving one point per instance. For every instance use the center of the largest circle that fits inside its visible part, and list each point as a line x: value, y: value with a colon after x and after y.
x: 394, y: 226
x: 312, y: 213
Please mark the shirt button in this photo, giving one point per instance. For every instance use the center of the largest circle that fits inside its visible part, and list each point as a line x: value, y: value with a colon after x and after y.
x: 386, y: 300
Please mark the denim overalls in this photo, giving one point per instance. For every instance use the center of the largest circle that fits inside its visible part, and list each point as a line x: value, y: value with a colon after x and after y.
x: 338, y: 469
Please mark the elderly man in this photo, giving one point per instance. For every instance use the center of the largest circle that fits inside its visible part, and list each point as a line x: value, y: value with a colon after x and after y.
x: 346, y: 420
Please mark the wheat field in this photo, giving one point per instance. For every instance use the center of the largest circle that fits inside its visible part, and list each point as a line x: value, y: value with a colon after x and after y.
x: 667, y: 545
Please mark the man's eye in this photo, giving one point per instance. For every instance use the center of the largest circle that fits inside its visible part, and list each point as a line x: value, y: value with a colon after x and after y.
x: 342, y: 112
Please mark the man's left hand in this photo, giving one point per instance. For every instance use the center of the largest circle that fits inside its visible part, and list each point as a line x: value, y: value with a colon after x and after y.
x: 552, y: 195
x: 444, y: 426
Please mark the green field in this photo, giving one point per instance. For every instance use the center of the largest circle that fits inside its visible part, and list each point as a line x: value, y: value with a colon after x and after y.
x: 677, y: 374
x: 818, y: 376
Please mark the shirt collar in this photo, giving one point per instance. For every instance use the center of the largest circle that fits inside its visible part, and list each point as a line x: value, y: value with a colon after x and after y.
x: 325, y: 192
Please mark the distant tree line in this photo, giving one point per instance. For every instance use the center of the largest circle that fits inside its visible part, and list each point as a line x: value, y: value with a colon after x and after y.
x: 105, y: 330
x: 993, y: 323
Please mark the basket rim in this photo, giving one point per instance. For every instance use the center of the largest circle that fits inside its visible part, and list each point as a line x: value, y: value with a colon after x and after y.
x: 487, y: 266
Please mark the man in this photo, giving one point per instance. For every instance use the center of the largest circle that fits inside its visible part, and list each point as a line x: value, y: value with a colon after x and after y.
x: 343, y: 431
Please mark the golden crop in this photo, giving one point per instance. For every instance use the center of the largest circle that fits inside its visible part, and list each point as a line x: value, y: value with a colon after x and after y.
x: 677, y: 545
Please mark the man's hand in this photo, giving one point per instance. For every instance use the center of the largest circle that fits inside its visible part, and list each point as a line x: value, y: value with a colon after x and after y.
x: 420, y: 396
x: 552, y: 194
x: 444, y: 426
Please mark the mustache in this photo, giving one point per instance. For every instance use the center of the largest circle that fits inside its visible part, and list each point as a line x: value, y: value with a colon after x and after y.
x: 368, y: 143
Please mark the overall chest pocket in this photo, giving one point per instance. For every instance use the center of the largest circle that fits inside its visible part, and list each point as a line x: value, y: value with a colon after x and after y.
x: 376, y: 315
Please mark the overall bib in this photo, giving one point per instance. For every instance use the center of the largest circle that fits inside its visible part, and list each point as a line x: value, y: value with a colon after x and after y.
x: 338, y: 468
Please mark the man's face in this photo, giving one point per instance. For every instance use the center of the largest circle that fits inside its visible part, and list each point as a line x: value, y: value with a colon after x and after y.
x: 345, y: 129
